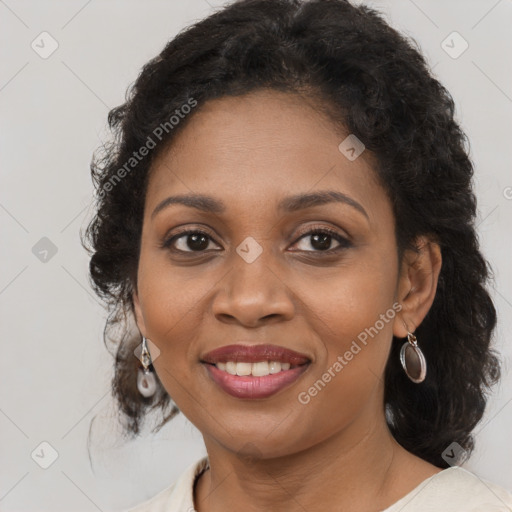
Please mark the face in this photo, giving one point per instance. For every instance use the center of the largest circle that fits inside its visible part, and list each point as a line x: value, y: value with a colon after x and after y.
x: 315, y: 277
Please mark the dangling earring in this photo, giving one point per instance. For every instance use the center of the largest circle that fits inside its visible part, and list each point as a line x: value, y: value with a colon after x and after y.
x: 146, y: 382
x: 413, y: 360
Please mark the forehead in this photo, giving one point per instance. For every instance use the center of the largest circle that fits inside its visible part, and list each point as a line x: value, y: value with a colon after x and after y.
x: 261, y: 145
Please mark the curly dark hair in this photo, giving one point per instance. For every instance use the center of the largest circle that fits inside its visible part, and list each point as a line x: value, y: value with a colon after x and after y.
x: 374, y: 82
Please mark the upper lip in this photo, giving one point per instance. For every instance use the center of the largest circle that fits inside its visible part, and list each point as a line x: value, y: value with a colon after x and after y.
x: 254, y: 353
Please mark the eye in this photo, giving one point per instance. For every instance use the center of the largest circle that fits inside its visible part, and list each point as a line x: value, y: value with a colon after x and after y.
x: 194, y: 240
x: 321, y: 239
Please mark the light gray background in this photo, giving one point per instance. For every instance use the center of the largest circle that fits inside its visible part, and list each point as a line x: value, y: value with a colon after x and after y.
x: 54, y: 367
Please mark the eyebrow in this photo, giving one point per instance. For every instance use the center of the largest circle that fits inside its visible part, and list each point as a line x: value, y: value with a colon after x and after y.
x: 289, y: 204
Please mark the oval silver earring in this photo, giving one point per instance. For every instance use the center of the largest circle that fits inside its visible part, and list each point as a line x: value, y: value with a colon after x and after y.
x: 146, y: 382
x: 412, y: 359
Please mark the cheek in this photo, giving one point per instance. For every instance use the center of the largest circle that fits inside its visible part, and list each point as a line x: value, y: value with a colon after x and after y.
x: 354, y: 317
x: 352, y: 299
x: 170, y: 304
x: 169, y: 294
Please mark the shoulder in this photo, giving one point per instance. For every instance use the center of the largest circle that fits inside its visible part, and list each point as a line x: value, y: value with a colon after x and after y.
x: 455, y: 490
x: 178, y: 496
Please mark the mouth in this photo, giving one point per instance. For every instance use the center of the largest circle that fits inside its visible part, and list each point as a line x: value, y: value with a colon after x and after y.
x: 257, y: 369
x: 254, y: 371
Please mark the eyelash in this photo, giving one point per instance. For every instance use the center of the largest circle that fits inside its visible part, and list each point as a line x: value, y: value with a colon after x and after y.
x: 344, y: 242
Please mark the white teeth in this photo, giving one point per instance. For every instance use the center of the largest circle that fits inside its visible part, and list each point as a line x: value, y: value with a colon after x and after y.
x: 243, y: 368
x: 258, y: 369
x: 274, y: 367
x: 231, y: 367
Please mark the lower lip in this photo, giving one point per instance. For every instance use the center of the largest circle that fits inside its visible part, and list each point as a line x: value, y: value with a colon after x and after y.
x: 255, y: 387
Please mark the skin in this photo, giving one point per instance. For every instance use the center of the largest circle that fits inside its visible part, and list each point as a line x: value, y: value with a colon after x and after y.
x: 276, y: 453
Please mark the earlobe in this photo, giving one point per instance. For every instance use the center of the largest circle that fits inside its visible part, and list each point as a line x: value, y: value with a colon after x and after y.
x: 138, y: 314
x: 417, y: 284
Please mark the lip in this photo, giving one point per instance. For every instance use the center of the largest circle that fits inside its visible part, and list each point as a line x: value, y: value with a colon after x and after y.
x: 255, y: 387
x: 254, y: 353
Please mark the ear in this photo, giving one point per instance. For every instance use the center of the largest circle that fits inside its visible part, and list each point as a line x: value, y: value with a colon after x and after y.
x: 138, y: 314
x: 417, y: 284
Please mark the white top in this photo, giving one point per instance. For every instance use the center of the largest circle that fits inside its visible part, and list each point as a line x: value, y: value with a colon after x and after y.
x: 454, y: 489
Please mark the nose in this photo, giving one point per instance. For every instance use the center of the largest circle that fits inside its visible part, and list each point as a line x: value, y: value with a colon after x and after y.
x: 253, y: 294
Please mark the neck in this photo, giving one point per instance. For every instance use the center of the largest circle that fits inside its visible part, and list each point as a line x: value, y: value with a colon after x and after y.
x: 355, y: 467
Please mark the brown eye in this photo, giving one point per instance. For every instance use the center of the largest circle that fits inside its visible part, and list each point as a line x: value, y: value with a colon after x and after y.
x: 198, y: 241
x: 322, y: 238
x: 189, y: 241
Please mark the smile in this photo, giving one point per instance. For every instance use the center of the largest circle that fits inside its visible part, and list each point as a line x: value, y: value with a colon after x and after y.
x: 256, y: 371
x: 250, y: 386
x: 259, y: 369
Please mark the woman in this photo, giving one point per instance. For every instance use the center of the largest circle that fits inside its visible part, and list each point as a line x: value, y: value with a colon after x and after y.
x: 287, y: 212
